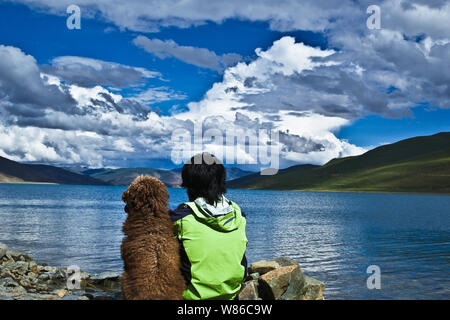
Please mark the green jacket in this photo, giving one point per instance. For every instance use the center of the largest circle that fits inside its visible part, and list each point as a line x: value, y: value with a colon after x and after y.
x: 212, y: 251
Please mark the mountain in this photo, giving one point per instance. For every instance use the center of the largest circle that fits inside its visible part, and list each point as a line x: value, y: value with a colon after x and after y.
x: 11, y: 171
x: 124, y: 176
x: 420, y: 164
x: 235, y: 173
x: 172, y: 178
x: 15, y: 172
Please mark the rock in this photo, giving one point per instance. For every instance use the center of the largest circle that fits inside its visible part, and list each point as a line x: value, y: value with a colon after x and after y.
x: 274, y: 283
x: 18, y: 267
x: 263, y: 266
x: 18, y: 255
x: 249, y: 290
x: 83, y: 298
x: 89, y: 296
x: 32, y: 266
x: 313, y: 289
x: 45, y: 268
x: 44, y: 277
x: 108, y: 280
x: 284, y: 261
x: 84, y: 275
x: 252, y: 276
x: 60, y: 293
x: 25, y: 283
x: 296, y: 285
x: 34, y: 296
x: 8, y: 282
x: 107, y: 275
x: 3, y: 249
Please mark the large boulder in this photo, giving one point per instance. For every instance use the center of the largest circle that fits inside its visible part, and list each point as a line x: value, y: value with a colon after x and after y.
x: 249, y: 291
x: 263, y: 266
x: 312, y: 289
x: 295, y: 289
x: 273, y: 284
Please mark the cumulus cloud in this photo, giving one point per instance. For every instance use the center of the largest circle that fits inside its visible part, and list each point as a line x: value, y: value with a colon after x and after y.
x: 47, y: 119
x: 199, y: 57
x: 22, y: 90
x: 263, y: 94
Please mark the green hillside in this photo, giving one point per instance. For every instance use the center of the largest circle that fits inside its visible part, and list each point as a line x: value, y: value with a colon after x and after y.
x: 420, y: 164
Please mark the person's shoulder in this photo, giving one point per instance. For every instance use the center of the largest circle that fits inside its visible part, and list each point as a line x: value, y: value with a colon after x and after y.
x: 242, y: 212
x: 180, y: 212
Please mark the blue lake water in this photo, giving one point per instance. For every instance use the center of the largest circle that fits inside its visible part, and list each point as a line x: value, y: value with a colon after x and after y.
x: 334, y: 236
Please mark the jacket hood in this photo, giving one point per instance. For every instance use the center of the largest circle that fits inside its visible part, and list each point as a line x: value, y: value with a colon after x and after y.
x: 225, y: 216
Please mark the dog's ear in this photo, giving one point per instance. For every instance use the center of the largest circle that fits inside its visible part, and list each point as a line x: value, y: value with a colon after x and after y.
x: 125, y: 195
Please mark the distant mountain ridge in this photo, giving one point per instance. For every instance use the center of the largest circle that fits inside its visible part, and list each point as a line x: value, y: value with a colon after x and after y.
x: 15, y: 172
x: 12, y: 171
x: 420, y: 164
x: 171, y: 178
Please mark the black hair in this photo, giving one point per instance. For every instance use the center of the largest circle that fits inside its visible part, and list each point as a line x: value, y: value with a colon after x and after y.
x: 204, y: 176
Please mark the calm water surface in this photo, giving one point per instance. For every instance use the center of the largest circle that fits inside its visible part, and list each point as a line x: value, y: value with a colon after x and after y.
x: 334, y: 236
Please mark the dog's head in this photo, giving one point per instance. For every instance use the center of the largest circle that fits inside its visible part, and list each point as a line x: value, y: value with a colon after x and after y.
x: 146, y: 195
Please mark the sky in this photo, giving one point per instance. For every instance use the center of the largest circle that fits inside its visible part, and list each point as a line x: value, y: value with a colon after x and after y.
x: 308, y: 80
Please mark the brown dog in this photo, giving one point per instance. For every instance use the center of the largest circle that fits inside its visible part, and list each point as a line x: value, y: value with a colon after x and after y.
x: 149, y: 249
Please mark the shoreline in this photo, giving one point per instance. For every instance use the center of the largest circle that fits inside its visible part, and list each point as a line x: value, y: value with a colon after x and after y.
x: 295, y: 190
x: 21, y: 278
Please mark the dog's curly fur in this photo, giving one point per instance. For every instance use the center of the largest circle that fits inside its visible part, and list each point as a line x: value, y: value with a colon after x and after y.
x: 150, y: 251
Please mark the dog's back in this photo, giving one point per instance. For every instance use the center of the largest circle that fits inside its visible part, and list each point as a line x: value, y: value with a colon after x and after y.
x: 150, y: 251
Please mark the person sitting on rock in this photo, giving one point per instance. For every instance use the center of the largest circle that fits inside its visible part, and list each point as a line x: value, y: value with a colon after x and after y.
x: 211, y: 232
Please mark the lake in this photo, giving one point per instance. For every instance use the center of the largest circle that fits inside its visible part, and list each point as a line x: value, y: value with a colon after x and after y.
x: 334, y: 236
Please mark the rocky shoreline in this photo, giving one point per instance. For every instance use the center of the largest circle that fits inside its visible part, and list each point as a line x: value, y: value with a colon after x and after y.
x: 21, y: 278
x: 280, y: 279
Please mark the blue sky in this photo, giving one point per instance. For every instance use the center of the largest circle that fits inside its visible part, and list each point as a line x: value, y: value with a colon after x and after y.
x: 333, y: 91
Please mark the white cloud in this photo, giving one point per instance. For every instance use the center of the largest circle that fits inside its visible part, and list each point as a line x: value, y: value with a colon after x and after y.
x: 199, y: 57
x: 158, y: 94
x: 308, y: 134
x: 417, y: 17
x: 89, y: 72
x: 151, y: 15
